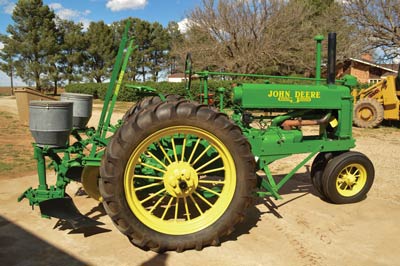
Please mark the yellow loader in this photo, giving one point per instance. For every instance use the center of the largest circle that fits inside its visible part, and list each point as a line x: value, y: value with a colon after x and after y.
x: 377, y: 102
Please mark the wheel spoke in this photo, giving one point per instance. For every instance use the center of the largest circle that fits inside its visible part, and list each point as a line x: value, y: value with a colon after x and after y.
x: 183, y: 149
x: 211, y: 182
x: 201, y: 155
x: 186, y: 208
x: 176, y: 209
x: 194, y: 150
x: 167, y: 208
x: 203, y: 199
x: 155, y: 158
x: 149, y: 186
x: 208, y: 163
x: 195, y: 204
x: 164, y: 152
x: 212, y: 171
x: 174, y: 149
x: 153, y: 167
x: 147, y: 177
x: 153, y: 195
x: 340, y: 181
x: 157, y: 203
x: 210, y: 190
x: 348, y: 171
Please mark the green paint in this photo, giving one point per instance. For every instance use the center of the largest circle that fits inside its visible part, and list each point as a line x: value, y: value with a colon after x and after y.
x: 270, y: 142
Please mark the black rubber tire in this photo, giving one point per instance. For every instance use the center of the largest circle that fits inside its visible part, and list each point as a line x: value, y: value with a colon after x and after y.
x: 147, y: 101
x: 149, y: 121
x: 335, y: 166
x: 317, y: 169
x: 376, y: 109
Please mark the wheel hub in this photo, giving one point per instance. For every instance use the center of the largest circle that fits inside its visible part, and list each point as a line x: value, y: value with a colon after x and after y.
x: 366, y: 114
x: 350, y: 179
x: 180, y: 179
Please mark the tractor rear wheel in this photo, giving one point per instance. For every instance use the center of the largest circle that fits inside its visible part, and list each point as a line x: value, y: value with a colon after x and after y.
x: 176, y: 176
x: 347, y: 178
x: 147, y: 101
x: 368, y: 113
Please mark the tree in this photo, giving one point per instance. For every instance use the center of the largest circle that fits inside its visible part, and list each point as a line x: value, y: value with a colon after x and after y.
x: 158, y: 49
x: 138, y: 62
x: 54, y: 61
x: 293, y: 47
x: 264, y: 36
x: 379, y: 23
x: 72, y: 52
x: 142, y: 31
x: 100, y: 53
x: 229, y: 34
x: 32, y: 39
x: 175, y: 38
x: 7, y: 61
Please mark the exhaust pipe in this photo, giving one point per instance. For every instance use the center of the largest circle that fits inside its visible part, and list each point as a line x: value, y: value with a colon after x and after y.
x: 331, y: 58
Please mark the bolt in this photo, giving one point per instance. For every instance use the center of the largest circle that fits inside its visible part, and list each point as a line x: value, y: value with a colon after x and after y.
x: 188, y: 177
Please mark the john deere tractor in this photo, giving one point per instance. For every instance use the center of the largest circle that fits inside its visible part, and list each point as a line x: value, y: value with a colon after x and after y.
x: 177, y: 173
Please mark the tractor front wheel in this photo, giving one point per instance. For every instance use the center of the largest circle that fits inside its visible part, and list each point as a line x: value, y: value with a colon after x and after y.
x: 177, y: 175
x: 317, y: 169
x: 347, y: 178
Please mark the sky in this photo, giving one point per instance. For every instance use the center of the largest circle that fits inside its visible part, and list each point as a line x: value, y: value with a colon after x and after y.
x: 85, y: 11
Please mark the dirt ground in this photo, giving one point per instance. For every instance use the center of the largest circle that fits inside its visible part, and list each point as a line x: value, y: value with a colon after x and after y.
x: 301, y: 229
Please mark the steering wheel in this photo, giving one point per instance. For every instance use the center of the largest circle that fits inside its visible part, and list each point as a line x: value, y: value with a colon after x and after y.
x: 188, y: 72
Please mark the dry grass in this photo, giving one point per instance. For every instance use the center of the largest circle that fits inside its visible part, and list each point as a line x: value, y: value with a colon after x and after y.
x: 120, y: 107
x: 16, y: 155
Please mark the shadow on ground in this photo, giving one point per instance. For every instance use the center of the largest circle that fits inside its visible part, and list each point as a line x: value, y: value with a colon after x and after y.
x: 95, y: 214
x: 19, y: 247
x: 300, y: 183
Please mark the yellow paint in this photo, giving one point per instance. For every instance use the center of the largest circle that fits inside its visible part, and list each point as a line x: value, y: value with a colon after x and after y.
x: 334, y: 123
x: 179, y: 184
x: 121, y: 76
x: 294, y: 96
x: 89, y: 178
x: 351, y: 180
x: 385, y: 93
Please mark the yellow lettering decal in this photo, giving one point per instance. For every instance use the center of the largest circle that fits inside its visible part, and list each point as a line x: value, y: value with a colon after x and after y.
x: 299, y: 96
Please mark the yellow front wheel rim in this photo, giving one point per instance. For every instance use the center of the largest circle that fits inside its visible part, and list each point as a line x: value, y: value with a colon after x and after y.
x: 180, y: 183
x: 351, y: 180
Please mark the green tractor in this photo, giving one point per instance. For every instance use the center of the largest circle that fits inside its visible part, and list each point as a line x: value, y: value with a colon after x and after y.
x: 177, y: 174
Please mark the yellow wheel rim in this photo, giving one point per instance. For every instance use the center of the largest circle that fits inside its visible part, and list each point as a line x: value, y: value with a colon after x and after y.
x: 89, y: 178
x: 366, y: 114
x: 180, y: 183
x: 351, y: 180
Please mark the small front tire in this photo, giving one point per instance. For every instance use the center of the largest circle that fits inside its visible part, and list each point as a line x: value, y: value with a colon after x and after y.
x: 347, y: 178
